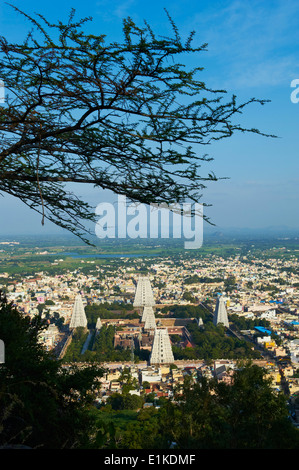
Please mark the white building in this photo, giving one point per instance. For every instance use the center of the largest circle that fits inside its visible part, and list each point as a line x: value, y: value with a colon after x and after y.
x: 78, y: 318
x: 144, y: 294
x: 161, y: 349
x: 220, y: 314
x: 271, y: 314
x: 148, y: 317
x: 293, y: 347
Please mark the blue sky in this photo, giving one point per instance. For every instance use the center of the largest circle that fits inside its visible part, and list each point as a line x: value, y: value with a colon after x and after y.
x: 253, y: 51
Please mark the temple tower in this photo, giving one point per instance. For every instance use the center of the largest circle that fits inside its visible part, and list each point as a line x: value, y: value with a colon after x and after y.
x: 147, y: 311
x: 78, y: 318
x: 98, y: 324
x: 144, y: 294
x: 161, y: 349
x: 148, y: 317
x: 220, y: 314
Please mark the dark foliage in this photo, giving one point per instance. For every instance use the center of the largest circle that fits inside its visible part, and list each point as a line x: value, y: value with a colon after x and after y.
x: 42, y: 404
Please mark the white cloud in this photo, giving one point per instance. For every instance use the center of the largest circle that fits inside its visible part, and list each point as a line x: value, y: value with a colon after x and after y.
x: 254, y: 43
x: 111, y: 9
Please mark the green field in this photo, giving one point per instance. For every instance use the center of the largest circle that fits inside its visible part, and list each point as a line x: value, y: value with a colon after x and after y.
x: 56, y: 255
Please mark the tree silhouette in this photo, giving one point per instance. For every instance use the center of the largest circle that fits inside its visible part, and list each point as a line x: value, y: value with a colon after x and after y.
x: 120, y: 116
x: 42, y: 404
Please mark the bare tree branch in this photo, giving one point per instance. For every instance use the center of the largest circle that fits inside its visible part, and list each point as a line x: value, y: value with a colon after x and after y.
x: 124, y: 117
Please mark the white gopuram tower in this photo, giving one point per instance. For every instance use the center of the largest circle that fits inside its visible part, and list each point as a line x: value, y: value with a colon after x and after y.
x: 78, y: 318
x: 144, y: 294
x: 220, y: 314
x: 148, y: 317
x: 98, y: 324
x: 147, y: 311
x: 161, y: 349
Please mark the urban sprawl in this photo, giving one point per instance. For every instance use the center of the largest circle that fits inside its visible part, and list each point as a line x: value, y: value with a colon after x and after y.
x: 224, y: 288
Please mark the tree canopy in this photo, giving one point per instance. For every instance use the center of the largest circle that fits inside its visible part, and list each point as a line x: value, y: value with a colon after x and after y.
x: 42, y: 404
x: 246, y: 414
x: 126, y: 117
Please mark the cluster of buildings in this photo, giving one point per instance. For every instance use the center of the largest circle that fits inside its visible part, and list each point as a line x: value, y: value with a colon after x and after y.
x: 251, y: 297
x: 158, y: 338
x: 162, y: 374
x: 162, y: 380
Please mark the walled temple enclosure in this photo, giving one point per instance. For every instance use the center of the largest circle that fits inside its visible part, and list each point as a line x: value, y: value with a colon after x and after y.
x: 146, y: 332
